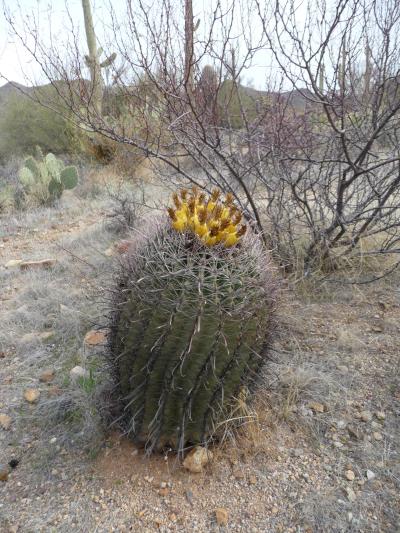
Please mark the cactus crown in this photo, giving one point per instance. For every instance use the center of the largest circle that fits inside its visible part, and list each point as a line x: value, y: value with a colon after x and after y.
x: 213, y: 220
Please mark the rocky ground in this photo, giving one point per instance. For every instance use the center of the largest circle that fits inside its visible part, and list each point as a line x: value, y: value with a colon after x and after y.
x: 320, y: 451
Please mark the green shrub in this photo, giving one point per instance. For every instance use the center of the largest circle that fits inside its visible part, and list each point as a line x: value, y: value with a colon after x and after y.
x: 28, y: 124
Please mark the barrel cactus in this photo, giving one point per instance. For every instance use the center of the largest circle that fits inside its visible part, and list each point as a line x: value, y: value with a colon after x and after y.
x: 192, y: 317
x: 46, y: 178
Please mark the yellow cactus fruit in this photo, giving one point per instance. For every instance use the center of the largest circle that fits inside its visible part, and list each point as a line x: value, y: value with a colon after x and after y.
x: 213, y: 220
x: 230, y: 239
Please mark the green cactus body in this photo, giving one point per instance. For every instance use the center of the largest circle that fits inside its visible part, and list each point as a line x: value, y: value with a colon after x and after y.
x: 190, y: 328
x: 69, y: 177
x: 47, y: 178
x: 33, y: 166
x: 26, y: 177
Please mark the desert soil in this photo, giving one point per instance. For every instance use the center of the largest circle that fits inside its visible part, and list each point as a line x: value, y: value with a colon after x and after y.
x: 320, y: 452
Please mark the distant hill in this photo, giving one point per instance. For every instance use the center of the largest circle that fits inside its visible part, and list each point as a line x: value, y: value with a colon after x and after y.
x: 297, y: 98
x: 12, y: 89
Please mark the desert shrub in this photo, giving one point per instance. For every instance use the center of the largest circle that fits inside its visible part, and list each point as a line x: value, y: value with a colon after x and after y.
x: 191, y: 321
x: 25, y: 124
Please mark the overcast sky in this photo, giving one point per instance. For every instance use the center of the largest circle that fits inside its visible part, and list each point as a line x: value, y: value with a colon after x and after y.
x: 16, y: 64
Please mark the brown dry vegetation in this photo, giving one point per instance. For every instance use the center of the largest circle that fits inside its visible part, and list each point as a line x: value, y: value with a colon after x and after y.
x: 284, y: 470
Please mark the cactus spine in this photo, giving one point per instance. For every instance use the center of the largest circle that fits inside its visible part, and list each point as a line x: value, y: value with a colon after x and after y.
x: 46, y: 179
x: 190, y: 325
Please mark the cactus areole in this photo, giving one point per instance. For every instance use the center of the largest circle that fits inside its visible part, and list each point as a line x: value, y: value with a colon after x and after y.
x: 191, y: 321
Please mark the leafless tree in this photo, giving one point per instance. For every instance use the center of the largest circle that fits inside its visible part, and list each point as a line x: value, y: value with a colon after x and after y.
x: 313, y: 159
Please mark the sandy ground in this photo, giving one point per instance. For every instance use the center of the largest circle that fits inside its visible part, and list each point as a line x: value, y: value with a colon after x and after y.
x: 321, y: 454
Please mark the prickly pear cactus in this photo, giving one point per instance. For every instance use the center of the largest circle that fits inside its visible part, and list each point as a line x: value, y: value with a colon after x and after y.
x: 46, y: 178
x: 191, y: 321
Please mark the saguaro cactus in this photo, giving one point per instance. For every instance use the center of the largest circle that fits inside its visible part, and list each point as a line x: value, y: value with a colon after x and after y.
x: 93, y: 60
x: 192, y: 317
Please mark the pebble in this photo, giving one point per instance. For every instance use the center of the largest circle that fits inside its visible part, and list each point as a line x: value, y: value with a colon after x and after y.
x: 366, y: 416
x: 13, y: 263
x: 197, y: 459
x: 377, y: 435
x: 380, y: 415
x: 317, y: 407
x: 351, y: 495
x: 350, y: 475
x: 32, y: 395
x: 3, y: 473
x: 370, y: 475
x: 34, y: 265
x: 95, y: 337
x: 47, y: 375
x: 221, y: 515
x: 78, y: 372
x: 5, y: 421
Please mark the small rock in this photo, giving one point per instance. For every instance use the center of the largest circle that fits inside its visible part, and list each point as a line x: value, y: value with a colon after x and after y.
x: 350, y: 475
x: 3, y: 473
x: 252, y: 479
x: 172, y: 517
x: 37, y: 265
x: 5, y: 421
x: 221, y: 516
x: 163, y: 492
x: 341, y: 424
x: 380, y: 415
x: 351, y: 495
x: 78, y: 372
x: 343, y: 368
x: 370, y: 475
x: 163, y: 485
x: 13, y: 263
x: 109, y: 252
x: 47, y: 375
x: 316, y: 407
x: 274, y: 510
x: 95, y: 337
x: 338, y: 444
x: 197, y: 459
x: 377, y: 435
x: 366, y: 416
x: 32, y: 395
